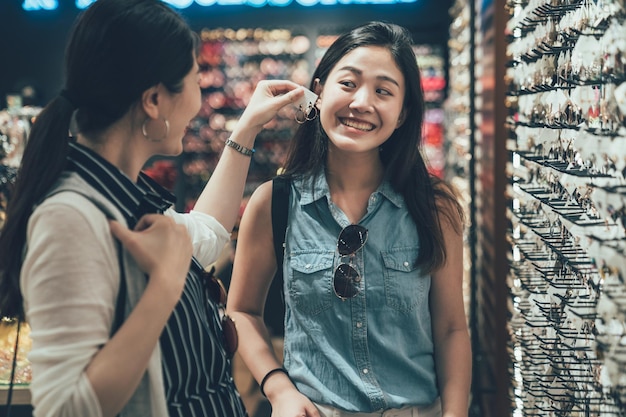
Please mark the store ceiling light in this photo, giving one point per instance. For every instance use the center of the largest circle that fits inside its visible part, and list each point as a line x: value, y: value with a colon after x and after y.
x: 40, y: 4
x: 31, y: 5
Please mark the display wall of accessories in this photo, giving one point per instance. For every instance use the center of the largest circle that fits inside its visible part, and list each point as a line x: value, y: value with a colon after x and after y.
x: 567, y: 142
x: 456, y: 122
x: 431, y: 61
x: 457, y: 104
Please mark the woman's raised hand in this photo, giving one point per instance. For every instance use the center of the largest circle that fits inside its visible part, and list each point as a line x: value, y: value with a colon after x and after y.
x: 268, y: 98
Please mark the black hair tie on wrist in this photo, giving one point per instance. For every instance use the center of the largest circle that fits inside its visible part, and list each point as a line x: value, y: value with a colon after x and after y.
x: 266, y: 377
x: 64, y: 94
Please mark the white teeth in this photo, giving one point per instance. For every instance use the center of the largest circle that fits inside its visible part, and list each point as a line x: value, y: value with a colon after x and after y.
x: 358, y: 125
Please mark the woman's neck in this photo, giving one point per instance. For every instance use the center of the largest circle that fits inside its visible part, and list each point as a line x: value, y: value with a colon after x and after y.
x: 351, y: 181
x: 354, y: 172
x: 118, y: 149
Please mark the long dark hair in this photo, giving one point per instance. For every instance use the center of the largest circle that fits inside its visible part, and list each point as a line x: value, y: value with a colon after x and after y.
x: 117, y: 50
x: 425, y: 195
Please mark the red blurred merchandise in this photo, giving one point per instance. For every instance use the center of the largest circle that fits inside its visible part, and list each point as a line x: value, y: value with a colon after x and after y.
x: 164, y: 172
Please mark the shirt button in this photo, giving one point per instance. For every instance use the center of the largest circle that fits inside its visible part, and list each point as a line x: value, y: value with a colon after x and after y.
x: 406, y: 263
x: 308, y: 266
x: 359, y: 325
x: 365, y: 371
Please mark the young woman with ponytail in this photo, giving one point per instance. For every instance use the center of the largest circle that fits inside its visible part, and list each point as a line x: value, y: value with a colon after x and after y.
x: 92, y: 254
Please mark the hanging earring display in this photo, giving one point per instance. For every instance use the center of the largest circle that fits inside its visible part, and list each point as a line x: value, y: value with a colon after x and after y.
x: 568, y: 240
x: 306, y: 109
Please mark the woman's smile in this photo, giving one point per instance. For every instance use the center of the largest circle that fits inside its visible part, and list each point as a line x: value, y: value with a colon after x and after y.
x: 357, y: 124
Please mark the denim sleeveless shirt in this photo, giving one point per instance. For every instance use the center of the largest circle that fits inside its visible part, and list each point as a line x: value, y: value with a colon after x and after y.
x: 371, y: 352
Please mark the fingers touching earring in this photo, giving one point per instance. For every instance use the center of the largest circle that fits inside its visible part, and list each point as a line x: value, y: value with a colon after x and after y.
x: 306, y: 109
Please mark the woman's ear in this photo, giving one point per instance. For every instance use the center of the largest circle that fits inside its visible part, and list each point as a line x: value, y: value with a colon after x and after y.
x: 317, y: 86
x: 317, y: 89
x: 150, y: 101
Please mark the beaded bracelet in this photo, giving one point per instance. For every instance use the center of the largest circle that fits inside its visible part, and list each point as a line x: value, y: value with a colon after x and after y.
x: 267, y: 375
x: 239, y: 148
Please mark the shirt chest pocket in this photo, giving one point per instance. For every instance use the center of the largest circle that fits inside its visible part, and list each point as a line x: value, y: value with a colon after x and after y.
x: 405, y: 286
x: 310, y: 286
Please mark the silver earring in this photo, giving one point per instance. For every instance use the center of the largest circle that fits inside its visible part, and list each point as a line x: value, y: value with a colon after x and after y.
x: 304, y: 115
x: 155, y: 133
x: 311, y: 109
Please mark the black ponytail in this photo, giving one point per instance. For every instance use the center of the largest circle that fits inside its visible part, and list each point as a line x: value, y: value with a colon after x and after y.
x: 43, y: 161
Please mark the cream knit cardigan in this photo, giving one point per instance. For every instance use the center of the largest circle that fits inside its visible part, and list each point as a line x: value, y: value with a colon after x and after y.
x: 70, y: 280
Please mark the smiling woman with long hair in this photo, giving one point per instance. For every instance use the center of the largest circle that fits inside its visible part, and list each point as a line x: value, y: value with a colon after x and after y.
x: 373, y: 259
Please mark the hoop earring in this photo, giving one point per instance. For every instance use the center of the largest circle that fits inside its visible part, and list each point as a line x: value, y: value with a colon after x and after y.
x: 313, y: 109
x: 300, y: 119
x: 150, y: 133
x: 303, y: 115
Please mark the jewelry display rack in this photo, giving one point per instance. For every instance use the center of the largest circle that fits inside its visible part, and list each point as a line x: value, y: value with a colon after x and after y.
x: 431, y: 61
x: 567, y: 144
x: 457, y: 120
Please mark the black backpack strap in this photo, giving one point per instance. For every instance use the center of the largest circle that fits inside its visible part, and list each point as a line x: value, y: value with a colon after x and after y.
x: 275, y: 304
x: 120, y: 304
x: 280, y: 211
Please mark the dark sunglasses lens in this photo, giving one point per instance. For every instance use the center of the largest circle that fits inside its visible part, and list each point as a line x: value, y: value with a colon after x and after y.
x: 231, y: 338
x: 216, y: 290
x: 346, y: 281
x: 351, y: 239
